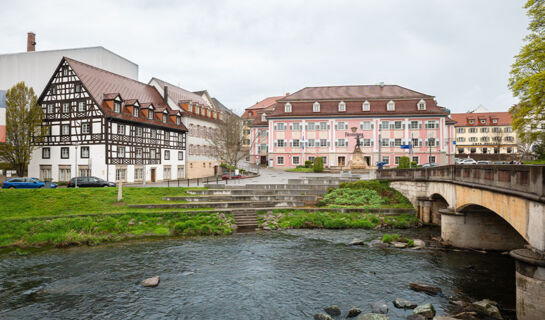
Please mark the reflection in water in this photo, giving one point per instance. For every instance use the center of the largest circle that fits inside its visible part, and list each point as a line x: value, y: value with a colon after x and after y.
x: 289, y: 275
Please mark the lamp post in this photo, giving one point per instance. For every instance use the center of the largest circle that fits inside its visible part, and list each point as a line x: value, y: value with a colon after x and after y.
x: 76, y: 144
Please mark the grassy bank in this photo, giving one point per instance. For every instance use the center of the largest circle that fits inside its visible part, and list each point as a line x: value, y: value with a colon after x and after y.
x: 365, y: 194
x: 300, y: 170
x: 298, y: 219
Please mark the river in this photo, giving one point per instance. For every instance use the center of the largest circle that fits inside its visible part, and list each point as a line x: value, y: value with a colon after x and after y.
x: 271, y: 275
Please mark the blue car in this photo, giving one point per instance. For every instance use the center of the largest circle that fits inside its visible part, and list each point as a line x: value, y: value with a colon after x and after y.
x: 26, y: 183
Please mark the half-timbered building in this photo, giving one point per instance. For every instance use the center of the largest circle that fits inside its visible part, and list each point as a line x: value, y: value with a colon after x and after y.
x: 108, y: 126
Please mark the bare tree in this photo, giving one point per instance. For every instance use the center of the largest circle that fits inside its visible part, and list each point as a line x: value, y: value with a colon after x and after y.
x: 23, y: 123
x: 226, y: 141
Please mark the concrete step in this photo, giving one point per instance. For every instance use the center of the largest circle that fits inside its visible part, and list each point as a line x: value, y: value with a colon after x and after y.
x: 288, y: 186
x: 334, y: 181
x: 222, y: 204
x: 223, y: 191
x: 245, y: 197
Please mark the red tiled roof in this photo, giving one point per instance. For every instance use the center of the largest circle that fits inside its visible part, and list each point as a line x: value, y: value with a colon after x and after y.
x: 355, y: 92
x: 267, y: 102
x: 257, y: 117
x: 103, y: 85
x: 462, y: 119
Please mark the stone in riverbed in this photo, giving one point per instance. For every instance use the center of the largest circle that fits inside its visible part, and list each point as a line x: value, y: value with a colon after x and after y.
x: 353, y: 312
x: 333, y: 310
x: 488, y: 308
x: 356, y: 242
x: 404, y: 304
x: 419, y: 243
x: 151, y: 282
x: 379, y: 307
x: 373, y: 316
x: 399, y: 245
x: 321, y: 316
x: 425, y: 310
x: 444, y: 318
x: 378, y: 244
x: 416, y: 317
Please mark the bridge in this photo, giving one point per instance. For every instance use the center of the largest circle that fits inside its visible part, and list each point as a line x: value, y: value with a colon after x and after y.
x: 492, y: 207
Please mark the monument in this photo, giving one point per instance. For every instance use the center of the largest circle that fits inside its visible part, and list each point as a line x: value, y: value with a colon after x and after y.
x: 357, y: 161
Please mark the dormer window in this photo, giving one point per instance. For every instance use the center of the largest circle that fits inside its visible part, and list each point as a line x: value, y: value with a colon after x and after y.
x: 263, y: 117
x: 135, y: 112
x: 483, y: 121
x: 342, y: 106
x: 316, y: 107
x: 366, y: 106
x: 471, y: 121
x: 164, y: 118
x: 287, y: 107
x: 117, y: 106
x: 150, y: 113
x: 391, y: 106
x: 421, y: 105
x: 494, y: 120
x: 178, y: 120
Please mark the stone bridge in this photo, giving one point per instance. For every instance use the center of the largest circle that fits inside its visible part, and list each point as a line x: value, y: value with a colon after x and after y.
x: 493, y: 207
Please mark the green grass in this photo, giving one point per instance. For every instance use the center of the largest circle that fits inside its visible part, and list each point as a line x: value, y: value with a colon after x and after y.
x: 90, y: 230
x: 300, y: 170
x: 299, y: 219
x: 26, y: 203
x: 542, y: 161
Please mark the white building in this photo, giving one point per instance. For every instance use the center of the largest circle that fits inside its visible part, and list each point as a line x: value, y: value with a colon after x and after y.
x: 106, y: 125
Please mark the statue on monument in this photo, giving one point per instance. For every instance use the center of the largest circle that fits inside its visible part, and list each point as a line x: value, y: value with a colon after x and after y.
x: 357, y: 161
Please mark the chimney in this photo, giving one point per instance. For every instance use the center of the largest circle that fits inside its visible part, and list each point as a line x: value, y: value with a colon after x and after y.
x: 287, y: 94
x: 165, y: 94
x: 31, y: 42
x: 382, y: 84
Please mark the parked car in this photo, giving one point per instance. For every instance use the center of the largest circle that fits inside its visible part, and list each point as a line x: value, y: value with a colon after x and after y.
x: 427, y: 165
x: 483, y: 162
x: 89, y: 182
x: 468, y: 161
x: 500, y: 162
x: 26, y: 183
x: 458, y: 160
x: 227, y: 177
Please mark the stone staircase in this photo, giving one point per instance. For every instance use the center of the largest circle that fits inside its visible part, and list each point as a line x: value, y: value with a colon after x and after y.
x: 245, y: 200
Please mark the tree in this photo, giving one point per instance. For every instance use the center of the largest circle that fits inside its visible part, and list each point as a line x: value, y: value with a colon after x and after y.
x: 227, y: 141
x: 318, y: 164
x: 23, y: 123
x: 528, y: 78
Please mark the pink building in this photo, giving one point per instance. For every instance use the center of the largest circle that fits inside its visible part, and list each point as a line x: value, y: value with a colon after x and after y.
x: 321, y: 122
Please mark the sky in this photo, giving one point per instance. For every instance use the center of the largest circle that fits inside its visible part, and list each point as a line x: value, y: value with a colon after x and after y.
x: 459, y: 51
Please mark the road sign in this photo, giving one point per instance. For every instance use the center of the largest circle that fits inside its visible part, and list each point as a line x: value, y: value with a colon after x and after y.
x: 406, y: 146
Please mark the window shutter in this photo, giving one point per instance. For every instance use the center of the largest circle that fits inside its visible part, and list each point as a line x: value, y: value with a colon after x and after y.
x: 328, y: 143
x: 291, y: 143
x: 372, y: 143
x: 392, y: 143
x: 275, y: 143
x: 328, y: 127
x: 336, y: 127
x: 372, y: 126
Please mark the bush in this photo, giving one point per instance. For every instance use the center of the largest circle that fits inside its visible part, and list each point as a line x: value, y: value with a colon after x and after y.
x: 387, y: 238
x: 308, y: 164
x: 414, y: 164
x: 404, y: 162
x: 319, y: 164
x: 354, y: 197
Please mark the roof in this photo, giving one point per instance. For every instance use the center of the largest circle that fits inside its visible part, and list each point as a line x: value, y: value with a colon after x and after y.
x: 257, y: 122
x: 179, y: 94
x: 462, y: 119
x: 103, y: 85
x: 265, y: 103
x: 2, y: 98
x: 355, y: 92
x: 219, y: 106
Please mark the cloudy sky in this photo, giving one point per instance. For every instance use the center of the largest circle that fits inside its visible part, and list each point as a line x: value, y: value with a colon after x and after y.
x: 242, y: 51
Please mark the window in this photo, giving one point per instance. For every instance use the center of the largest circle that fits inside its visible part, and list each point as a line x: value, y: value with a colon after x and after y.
x: 45, y: 173
x: 323, y: 143
x: 483, y: 121
x: 311, y: 159
x: 432, y: 125
x: 65, y: 71
x: 507, y: 129
x: 415, y: 125
x: 484, y: 130
x: 385, y: 142
x: 120, y: 174
x: 416, y: 142
x: 509, y: 150
x: 471, y: 121
x: 120, y: 129
x: 164, y: 118
x: 494, y: 120
x: 460, y: 139
x: 391, y: 106
x: 81, y: 106
x: 167, y: 136
x: 472, y: 139
x: 311, y: 126
x: 65, y: 153
x: 472, y: 130
x: 150, y: 114
x: 366, y: 125
x: 280, y: 160
x: 341, y: 143
x: 316, y: 107
x: 280, y: 143
x: 461, y: 130
x: 117, y: 106
x: 65, y: 173
x: 135, y: 112
x: 167, y: 154
x: 324, y: 126
x: 421, y: 105
x: 341, y: 125
x: 496, y: 129
x: 460, y: 150
x: 496, y: 150
x: 484, y: 139
x: 397, y: 125
x: 50, y: 108
x: 473, y: 150
x: 396, y: 159
x: 386, y: 160
x: 287, y: 107
x: 484, y: 150
x: 431, y: 159
x: 366, y: 106
x: 509, y: 139
x: 153, y: 153
x: 46, y: 153
x: 296, y: 126
x: 342, y: 106
x: 431, y: 142
x: 138, y: 173
x: 66, y: 107
x: 415, y: 159
x: 86, y: 128
x: 280, y: 126
x: 53, y: 89
x: 121, y: 152
x: 77, y: 88
x: 497, y: 139
x: 65, y: 129
x: 397, y: 142
x: 180, y: 172
x: 295, y: 160
x: 180, y: 155
x: 367, y: 142
x: 85, y: 152
x: 384, y: 125
x: 139, y: 131
x: 138, y: 152
x: 264, y: 117
x: 295, y: 143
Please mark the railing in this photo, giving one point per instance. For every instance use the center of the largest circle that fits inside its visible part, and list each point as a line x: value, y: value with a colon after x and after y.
x: 521, y: 180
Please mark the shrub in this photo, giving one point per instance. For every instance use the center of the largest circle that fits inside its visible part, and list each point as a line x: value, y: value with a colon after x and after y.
x: 414, y: 164
x: 318, y: 164
x: 387, y: 238
x: 308, y: 164
x: 354, y: 197
x: 404, y: 162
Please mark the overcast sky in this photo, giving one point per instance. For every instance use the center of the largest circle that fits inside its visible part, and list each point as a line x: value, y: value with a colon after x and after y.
x: 460, y: 51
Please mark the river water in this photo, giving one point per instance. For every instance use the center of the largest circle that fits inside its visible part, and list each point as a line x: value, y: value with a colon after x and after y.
x: 274, y: 275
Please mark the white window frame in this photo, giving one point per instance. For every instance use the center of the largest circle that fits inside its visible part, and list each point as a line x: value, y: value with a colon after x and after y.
x: 316, y: 107
x: 421, y: 105
x: 287, y: 107
x: 366, y: 106
x: 280, y: 160
x: 342, y: 106
x: 391, y: 106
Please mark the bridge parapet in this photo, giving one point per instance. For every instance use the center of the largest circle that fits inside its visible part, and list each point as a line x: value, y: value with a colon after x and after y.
x: 521, y: 180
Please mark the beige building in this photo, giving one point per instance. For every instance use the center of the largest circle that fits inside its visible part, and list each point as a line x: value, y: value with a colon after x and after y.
x: 485, y: 136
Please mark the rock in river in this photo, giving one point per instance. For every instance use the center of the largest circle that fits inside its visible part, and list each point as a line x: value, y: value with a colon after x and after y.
x: 378, y: 244
x: 321, y: 316
x: 379, y: 307
x: 399, y: 245
x: 151, y: 282
x: 356, y: 242
x: 444, y: 318
x: 333, y: 310
x: 353, y: 312
x: 488, y: 308
x: 425, y: 310
x: 424, y: 287
x: 419, y: 243
x: 404, y: 304
x: 373, y: 316
x: 416, y: 317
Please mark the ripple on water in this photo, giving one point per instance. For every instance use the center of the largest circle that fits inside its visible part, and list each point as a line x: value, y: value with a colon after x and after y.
x: 274, y: 275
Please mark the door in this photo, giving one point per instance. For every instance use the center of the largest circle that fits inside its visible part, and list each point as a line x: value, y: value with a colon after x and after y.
x: 152, y: 174
x: 263, y: 160
x: 367, y: 160
x: 341, y: 161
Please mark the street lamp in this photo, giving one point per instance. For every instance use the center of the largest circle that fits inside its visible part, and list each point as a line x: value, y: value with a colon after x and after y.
x: 76, y: 144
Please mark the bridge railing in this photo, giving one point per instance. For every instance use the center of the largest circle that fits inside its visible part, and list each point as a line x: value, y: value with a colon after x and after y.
x: 520, y: 179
